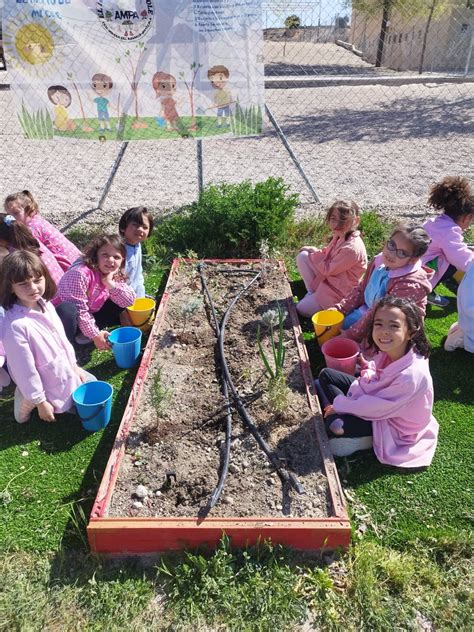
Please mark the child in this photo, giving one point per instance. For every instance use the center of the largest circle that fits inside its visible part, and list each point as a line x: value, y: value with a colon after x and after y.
x: 34, y: 340
x: 102, y: 85
x: 331, y: 273
x: 96, y: 286
x: 396, y: 270
x: 393, y: 397
x: 25, y: 210
x: 61, y: 98
x: 17, y: 236
x: 219, y: 76
x: 135, y: 226
x: 164, y: 86
x: 461, y: 334
x: 448, y: 250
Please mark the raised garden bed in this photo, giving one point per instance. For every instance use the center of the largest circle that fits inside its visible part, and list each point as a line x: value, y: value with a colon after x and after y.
x: 160, y: 488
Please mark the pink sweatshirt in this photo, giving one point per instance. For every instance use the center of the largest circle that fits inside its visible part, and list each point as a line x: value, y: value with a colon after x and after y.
x: 84, y: 287
x: 34, y: 342
x: 447, y: 244
x: 50, y: 262
x: 411, y: 282
x: 63, y: 250
x: 337, y: 268
x: 398, y: 400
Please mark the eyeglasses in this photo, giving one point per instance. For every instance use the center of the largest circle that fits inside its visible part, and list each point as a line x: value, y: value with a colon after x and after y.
x: 401, y: 254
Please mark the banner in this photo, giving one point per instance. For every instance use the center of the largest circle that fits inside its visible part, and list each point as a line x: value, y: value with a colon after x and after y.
x: 135, y: 69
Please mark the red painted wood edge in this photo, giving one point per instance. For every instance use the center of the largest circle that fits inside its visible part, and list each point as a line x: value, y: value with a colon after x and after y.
x: 334, y: 486
x: 152, y: 535
x: 146, y: 535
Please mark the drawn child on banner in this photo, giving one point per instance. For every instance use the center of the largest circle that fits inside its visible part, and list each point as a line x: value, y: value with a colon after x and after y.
x: 61, y: 98
x: 219, y: 76
x: 164, y: 85
x: 102, y: 85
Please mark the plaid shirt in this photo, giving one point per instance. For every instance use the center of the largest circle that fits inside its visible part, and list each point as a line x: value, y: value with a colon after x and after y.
x: 83, y: 287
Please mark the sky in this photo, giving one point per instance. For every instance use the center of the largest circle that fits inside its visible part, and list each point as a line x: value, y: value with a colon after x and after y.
x: 309, y: 11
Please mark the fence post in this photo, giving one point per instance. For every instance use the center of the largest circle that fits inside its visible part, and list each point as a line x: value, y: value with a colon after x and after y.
x: 200, y: 166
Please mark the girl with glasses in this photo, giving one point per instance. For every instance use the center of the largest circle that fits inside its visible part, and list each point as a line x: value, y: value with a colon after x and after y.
x: 397, y: 270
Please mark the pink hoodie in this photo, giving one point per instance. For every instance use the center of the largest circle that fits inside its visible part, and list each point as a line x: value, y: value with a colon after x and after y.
x: 398, y: 400
x: 447, y: 243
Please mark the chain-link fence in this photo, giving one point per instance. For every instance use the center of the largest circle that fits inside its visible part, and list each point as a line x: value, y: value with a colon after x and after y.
x: 373, y: 102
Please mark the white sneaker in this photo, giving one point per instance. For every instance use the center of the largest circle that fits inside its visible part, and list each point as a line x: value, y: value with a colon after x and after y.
x: 455, y: 338
x: 344, y: 446
x: 82, y: 340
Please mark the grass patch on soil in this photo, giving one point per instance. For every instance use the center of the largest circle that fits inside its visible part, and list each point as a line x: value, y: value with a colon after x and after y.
x: 409, y: 566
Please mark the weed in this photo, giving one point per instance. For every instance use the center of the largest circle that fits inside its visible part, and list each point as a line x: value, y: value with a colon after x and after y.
x: 160, y: 395
x: 189, y: 309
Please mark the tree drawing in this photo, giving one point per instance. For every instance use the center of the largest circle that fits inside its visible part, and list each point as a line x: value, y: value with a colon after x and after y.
x: 131, y: 71
x: 85, y: 125
x: 190, y: 88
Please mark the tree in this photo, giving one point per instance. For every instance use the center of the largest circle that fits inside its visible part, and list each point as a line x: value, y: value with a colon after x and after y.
x: 292, y: 22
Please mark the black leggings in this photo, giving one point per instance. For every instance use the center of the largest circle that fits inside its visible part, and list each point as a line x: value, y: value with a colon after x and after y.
x: 336, y: 383
x: 108, y: 315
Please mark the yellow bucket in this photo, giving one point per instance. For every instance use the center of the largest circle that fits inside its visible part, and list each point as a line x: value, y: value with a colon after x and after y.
x: 141, y: 313
x: 458, y: 275
x: 327, y: 324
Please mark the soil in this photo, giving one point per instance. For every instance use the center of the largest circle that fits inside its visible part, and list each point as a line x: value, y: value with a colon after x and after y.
x: 176, y: 443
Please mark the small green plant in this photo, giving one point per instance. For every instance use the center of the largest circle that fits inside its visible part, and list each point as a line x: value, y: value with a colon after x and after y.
x: 189, y: 309
x: 246, y: 120
x: 160, y: 395
x: 37, y: 124
x: 277, y: 387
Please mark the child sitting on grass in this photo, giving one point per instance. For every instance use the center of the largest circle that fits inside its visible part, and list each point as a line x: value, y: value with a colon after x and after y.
x: 24, y: 209
x: 461, y: 333
x: 392, y: 400
x: 135, y: 227
x: 330, y: 273
x: 397, y: 270
x: 448, y: 251
x: 40, y: 359
x: 97, y: 287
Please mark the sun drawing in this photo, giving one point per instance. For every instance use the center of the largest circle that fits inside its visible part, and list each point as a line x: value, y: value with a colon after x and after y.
x: 30, y: 46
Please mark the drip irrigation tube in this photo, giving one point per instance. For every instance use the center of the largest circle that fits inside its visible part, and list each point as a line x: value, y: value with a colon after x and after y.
x: 285, y: 476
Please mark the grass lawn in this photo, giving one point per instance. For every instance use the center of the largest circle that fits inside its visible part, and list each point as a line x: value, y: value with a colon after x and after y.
x: 408, y: 568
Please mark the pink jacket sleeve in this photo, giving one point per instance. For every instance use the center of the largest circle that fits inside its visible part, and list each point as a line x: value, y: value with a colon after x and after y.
x: 456, y: 250
x: 344, y: 259
x: 387, y: 403
x: 122, y: 294
x: 74, y: 288
x: 21, y: 363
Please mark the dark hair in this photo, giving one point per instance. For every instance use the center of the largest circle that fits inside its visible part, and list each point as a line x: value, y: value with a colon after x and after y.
x: 18, y: 235
x: 161, y: 78
x: 99, y: 76
x: 26, y: 200
x: 414, y: 316
x: 62, y: 89
x: 452, y: 195
x: 347, y: 209
x: 215, y: 70
x: 135, y: 215
x: 16, y: 268
x: 416, y: 235
x: 90, y: 251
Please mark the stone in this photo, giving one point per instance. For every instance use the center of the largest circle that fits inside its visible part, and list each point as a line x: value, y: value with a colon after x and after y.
x: 141, y: 491
x: 137, y: 504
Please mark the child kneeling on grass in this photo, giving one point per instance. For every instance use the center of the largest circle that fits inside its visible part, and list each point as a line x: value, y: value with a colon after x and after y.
x: 398, y: 271
x: 97, y: 287
x: 392, y: 400
x: 135, y: 227
x: 40, y: 359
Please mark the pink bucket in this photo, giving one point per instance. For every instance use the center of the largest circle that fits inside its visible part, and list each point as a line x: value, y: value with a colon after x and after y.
x: 341, y: 354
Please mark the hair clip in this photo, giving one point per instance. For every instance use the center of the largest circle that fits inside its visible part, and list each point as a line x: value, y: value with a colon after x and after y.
x: 9, y: 219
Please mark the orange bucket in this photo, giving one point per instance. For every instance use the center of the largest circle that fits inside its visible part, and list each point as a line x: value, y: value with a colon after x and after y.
x: 327, y: 324
x: 142, y: 313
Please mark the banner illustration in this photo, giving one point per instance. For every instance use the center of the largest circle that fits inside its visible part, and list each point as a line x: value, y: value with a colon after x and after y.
x: 135, y: 69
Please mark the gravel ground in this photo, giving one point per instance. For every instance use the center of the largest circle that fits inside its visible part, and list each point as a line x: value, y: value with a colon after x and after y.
x: 381, y: 145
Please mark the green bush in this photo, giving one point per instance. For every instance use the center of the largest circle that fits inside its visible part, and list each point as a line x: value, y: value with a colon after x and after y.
x: 228, y: 220
x: 374, y: 232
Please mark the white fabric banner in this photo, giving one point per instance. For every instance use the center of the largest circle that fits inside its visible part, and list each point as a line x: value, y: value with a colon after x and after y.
x: 135, y: 69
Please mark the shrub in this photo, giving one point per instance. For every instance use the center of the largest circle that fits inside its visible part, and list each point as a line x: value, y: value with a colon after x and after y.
x: 229, y: 220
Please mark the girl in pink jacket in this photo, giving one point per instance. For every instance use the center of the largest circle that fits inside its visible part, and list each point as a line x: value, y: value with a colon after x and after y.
x: 392, y: 400
x: 396, y: 270
x: 330, y: 273
x: 24, y: 209
x: 40, y: 359
x: 448, y: 251
x: 96, y: 286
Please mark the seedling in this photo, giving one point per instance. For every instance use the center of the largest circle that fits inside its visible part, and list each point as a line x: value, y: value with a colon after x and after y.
x: 159, y: 394
x: 277, y: 388
x: 189, y: 309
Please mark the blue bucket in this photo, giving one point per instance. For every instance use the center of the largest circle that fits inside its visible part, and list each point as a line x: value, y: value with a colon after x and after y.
x: 93, y: 402
x: 126, y: 345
